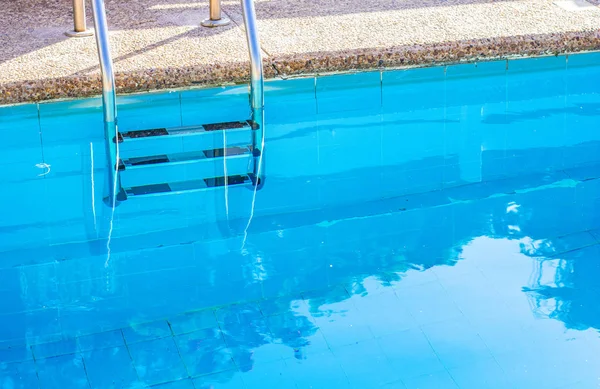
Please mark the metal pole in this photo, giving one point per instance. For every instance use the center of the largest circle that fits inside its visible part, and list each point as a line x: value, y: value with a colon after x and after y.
x: 79, y: 21
x: 215, y: 17
x: 256, y: 91
x: 109, y: 104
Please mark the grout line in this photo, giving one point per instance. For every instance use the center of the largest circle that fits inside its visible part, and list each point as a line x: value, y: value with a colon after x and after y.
x: 35, y: 365
x: 39, y: 122
x: 85, y: 371
x: 132, y: 364
x: 189, y: 376
x: 180, y: 109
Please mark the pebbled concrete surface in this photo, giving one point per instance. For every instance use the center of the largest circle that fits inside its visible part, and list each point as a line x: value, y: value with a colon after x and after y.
x: 159, y: 44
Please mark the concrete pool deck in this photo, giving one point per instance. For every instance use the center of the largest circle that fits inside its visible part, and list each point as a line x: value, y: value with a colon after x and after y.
x: 159, y: 44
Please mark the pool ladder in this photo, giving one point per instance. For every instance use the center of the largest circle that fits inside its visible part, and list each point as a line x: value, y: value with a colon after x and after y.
x: 195, y: 158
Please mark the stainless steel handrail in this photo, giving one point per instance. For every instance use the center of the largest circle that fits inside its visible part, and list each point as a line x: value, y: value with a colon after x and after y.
x: 79, y: 21
x: 111, y: 133
x: 256, y: 90
x: 109, y: 103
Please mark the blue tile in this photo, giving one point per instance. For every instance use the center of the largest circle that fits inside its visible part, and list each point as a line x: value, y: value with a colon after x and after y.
x: 261, y: 354
x: 462, y: 90
x: 482, y: 374
x: 317, y: 371
x: 238, y: 313
x: 289, y: 99
x: 332, y: 94
x: 384, y: 313
x: 15, y: 353
x: 194, y: 321
x: 368, y: 287
x: 14, y: 113
x: 431, y: 381
x: 394, y: 385
x: 342, y: 324
x: 22, y: 171
x: 115, y: 360
x: 359, y: 135
x: 477, y: 69
x: 291, y: 89
x: 303, y: 129
x: 47, y: 350
x: 215, y: 105
x: 231, y: 379
x: 366, y: 365
x: 456, y: 343
x: 24, y: 195
x: 273, y: 198
x: 20, y: 129
x: 428, y: 303
x: 413, y: 89
x: 487, y: 302
x: 279, y: 305
x: 416, y: 75
x: 531, y: 86
x: 538, y: 64
x: 149, y: 110
x: 19, y: 375
x: 65, y: 371
x: 84, y: 119
x: 83, y: 157
x: 146, y: 331
x: 109, y: 339
x: 576, y: 60
x: 410, y: 353
x: 204, y: 352
x: 346, y: 191
x: 297, y: 332
x: 267, y: 375
x: 180, y: 384
x: 157, y: 361
x: 572, y: 242
x: 42, y: 325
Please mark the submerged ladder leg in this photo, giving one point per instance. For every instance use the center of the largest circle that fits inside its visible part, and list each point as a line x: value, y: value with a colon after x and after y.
x: 109, y: 105
x: 256, y: 92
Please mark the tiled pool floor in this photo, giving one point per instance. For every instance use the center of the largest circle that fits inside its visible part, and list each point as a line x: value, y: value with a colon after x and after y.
x: 396, y: 294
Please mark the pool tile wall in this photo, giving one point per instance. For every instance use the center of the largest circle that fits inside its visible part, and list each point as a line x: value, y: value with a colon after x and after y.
x: 469, y: 129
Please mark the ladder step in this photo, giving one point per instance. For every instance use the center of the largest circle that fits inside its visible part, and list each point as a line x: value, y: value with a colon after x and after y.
x: 155, y: 169
x: 161, y: 141
x: 187, y: 186
x: 183, y: 131
x: 183, y: 158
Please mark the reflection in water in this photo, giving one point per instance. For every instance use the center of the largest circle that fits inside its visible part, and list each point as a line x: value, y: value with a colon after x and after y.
x: 566, y: 288
x: 505, y: 230
x: 298, y: 284
x: 303, y: 286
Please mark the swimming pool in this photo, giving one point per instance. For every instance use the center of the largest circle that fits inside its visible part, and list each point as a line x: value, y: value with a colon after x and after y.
x: 423, y: 228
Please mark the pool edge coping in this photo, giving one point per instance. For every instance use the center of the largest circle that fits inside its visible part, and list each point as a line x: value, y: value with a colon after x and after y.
x: 306, y: 65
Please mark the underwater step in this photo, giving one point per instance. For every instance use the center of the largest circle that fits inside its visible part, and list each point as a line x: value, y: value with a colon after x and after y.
x: 178, y: 167
x: 188, y: 186
x: 159, y: 141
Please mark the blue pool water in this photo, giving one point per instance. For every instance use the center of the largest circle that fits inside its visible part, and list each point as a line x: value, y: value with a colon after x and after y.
x: 425, y: 228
